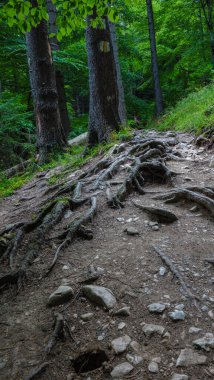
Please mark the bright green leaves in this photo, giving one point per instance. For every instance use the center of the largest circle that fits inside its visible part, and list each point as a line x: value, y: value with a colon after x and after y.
x: 71, y: 15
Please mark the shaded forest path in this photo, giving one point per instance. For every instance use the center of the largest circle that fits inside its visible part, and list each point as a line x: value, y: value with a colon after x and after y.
x: 154, y: 261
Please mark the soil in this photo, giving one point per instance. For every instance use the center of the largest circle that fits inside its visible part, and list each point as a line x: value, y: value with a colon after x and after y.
x: 131, y: 271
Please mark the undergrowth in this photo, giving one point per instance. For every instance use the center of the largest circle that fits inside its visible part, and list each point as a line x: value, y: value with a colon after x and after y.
x: 71, y: 160
x: 191, y: 114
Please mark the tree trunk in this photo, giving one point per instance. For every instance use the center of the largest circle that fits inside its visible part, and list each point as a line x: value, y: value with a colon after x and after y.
x: 62, y: 103
x: 152, y: 37
x: 50, y: 135
x: 103, y: 85
x: 122, y: 104
x: 59, y: 75
x: 207, y: 8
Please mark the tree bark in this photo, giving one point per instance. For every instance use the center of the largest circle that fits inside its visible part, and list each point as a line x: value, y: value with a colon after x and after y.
x: 104, y: 102
x: 50, y: 136
x: 122, y: 104
x: 59, y: 75
x: 152, y: 37
x: 207, y: 8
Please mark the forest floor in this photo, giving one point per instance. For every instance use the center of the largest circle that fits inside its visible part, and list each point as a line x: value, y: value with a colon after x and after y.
x: 140, y: 258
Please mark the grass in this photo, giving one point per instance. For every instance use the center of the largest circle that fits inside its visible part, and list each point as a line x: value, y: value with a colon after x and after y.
x: 191, y: 114
x: 71, y: 160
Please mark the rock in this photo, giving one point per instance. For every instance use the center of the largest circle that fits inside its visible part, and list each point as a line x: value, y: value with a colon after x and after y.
x: 206, y: 343
x: 162, y: 271
x: 121, y: 326
x: 177, y: 315
x: 211, y: 164
x: 189, y: 357
x: 135, y: 346
x: 121, y: 370
x: 150, y: 329
x: 194, y: 209
x: 178, y: 376
x: 124, y: 312
x: 155, y: 228
x: 179, y: 306
x: 120, y: 344
x: 194, y: 330
x: 61, y: 295
x: 153, y: 367
x: 86, y: 317
x: 134, y: 359
x: 156, y: 308
x: 100, y: 295
x: 131, y: 231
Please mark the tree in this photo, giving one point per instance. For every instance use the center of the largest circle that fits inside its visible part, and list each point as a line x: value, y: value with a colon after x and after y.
x: 208, y: 9
x: 52, y: 12
x: 50, y: 136
x: 152, y: 37
x: 106, y: 106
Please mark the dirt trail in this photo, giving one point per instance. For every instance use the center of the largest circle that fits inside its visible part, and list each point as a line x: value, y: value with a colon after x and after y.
x: 129, y: 266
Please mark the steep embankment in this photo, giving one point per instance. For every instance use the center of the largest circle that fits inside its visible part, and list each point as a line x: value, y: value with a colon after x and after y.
x: 98, y: 229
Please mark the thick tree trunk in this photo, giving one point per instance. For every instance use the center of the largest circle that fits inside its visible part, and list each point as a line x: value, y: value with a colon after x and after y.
x: 59, y: 75
x: 157, y: 86
x: 50, y: 136
x: 122, y: 104
x: 103, y: 85
x: 207, y: 8
x: 62, y: 102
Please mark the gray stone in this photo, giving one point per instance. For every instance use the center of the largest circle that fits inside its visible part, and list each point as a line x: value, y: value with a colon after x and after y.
x: 121, y: 326
x: 135, y: 346
x: 3, y: 363
x: 134, y: 359
x: 194, y: 330
x: 61, y: 295
x: 100, y: 295
x: 150, y: 329
x: 162, y: 271
x: 131, y: 231
x: 211, y: 164
x: 206, y: 343
x: 178, y: 376
x: 120, y: 344
x: 121, y: 370
x: 177, y: 315
x: 157, y: 308
x: 155, y: 228
x: 86, y: 317
x: 153, y: 367
x: 124, y: 312
x: 189, y: 357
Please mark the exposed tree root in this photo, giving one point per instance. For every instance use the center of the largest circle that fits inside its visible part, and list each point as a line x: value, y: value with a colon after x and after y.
x: 159, y: 214
x: 108, y: 173
x: 73, y: 230
x: 166, y: 260
x: 35, y: 374
x: 180, y: 193
x: 58, y: 333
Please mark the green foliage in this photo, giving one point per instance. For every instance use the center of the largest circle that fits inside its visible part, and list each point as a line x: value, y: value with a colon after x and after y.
x: 16, y: 129
x: 192, y: 113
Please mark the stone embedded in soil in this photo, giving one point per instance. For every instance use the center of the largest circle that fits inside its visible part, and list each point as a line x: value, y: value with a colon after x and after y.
x: 86, y: 317
x: 162, y: 271
x: 177, y: 315
x: 121, y: 370
x: 150, y: 329
x: 135, y: 346
x: 189, y: 357
x: 100, y: 295
x: 123, y: 312
x: 156, y: 308
x: 120, y: 344
x: 155, y: 228
x: 131, y: 231
x: 194, y: 330
x: 121, y: 325
x: 61, y: 295
x: 206, y: 343
x: 178, y: 376
x: 134, y: 359
x: 153, y: 367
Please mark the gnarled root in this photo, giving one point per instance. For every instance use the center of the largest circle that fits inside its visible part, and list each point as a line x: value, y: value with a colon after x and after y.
x: 180, y: 193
